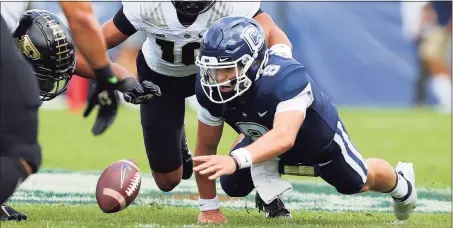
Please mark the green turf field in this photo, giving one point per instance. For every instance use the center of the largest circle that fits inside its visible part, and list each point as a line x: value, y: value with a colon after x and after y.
x: 155, y: 216
x: 421, y: 137
x: 63, y: 194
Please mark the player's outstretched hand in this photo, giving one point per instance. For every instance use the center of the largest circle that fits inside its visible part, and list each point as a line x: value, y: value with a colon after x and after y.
x: 211, y: 217
x: 140, y: 93
x: 107, y: 98
x: 220, y: 165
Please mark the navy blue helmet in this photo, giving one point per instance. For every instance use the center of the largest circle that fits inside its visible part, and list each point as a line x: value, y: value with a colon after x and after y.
x: 231, y: 46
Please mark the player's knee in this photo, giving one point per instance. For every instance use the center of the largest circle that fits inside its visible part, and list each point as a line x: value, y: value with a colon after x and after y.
x: 355, y: 184
x: 33, y: 162
x: 235, y: 188
x: 13, y: 173
x: 167, y: 185
x: 167, y: 181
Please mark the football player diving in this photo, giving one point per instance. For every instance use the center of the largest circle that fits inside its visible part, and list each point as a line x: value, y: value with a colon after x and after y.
x: 167, y: 60
x: 171, y: 55
x: 286, y: 120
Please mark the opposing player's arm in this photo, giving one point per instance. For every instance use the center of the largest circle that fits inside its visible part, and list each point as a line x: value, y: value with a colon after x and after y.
x: 120, y: 27
x: 290, y: 114
x: 274, y: 35
x: 86, y: 33
x: 84, y: 70
x: 208, y: 137
x: 115, y: 31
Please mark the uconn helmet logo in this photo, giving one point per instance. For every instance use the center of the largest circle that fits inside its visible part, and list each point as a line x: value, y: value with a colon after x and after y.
x: 253, y: 38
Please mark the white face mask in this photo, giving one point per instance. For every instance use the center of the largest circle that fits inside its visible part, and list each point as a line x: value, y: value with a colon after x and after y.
x: 224, y: 77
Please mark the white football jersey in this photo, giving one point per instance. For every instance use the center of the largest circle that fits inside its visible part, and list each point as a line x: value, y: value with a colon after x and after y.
x: 12, y: 11
x: 170, y: 48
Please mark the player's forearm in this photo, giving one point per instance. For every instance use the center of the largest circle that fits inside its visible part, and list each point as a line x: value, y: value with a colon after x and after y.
x: 90, y: 42
x: 208, y: 138
x: 277, y: 36
x: 272, y: 144
x: 274, y: 35
x: 206, y: 187
x: 276, y: 141
x: 113, y: 37
x: 86, y: 32
x: 83, y: 69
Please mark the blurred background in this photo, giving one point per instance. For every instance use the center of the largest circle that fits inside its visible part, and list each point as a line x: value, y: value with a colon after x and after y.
x: 362, y: 54
x: 386, y: 65
x: 391, y: 54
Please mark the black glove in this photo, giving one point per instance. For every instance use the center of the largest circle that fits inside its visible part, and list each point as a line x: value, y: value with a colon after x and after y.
x: 138, y: 93
x: 106, y: 97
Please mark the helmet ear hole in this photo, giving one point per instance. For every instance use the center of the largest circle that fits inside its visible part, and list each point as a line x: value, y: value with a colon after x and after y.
x: 244, y: 61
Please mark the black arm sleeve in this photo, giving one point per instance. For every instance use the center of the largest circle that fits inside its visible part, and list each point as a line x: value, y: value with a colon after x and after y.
x: 123, y: 24
x: 258, y: 12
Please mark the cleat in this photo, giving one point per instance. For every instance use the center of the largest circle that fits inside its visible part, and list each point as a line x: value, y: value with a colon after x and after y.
x: 7, y: 213
x: 404, y: 207
x: 275, y: 209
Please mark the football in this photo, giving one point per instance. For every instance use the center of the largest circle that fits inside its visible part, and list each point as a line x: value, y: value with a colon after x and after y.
x: 118, y: 186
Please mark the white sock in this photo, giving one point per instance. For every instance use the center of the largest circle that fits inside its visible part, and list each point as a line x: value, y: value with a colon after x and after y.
x: 401, y: 188
x: 442, y: 89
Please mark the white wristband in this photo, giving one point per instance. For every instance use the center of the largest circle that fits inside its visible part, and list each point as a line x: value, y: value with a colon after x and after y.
x: 209, y: 204
x: 282, y: 49
x: 243, y: 156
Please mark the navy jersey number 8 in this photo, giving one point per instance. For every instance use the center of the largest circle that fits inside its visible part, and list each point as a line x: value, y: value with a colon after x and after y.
x: 252, y: 130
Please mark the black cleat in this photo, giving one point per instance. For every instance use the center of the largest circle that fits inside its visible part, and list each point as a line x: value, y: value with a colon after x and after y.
x: 7, y: 213
x: 187, y: 163
x: 275, y: 209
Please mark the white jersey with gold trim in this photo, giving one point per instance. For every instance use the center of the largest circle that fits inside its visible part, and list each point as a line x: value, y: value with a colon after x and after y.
x: 170, y: 48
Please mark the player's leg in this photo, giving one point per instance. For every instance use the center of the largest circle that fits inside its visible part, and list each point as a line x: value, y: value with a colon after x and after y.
x: 187, y: 163
x: 162, y: 121
x: 432, y: 50
x: 20, y: 153
x: 162, y: 125
x: 240, y: 184
x: 349, y: 173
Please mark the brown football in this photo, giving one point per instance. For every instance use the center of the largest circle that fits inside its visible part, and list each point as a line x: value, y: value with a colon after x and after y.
x: 118, y: 186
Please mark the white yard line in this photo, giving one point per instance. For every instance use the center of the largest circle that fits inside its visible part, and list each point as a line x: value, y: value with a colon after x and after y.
x: 79, y: 187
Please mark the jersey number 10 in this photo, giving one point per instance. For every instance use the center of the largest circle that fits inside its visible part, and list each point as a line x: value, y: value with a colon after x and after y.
x: 187, y: 51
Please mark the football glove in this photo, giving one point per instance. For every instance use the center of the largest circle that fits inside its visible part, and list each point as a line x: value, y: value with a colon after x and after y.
x: 140, y: 93
x: 106, y: 97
